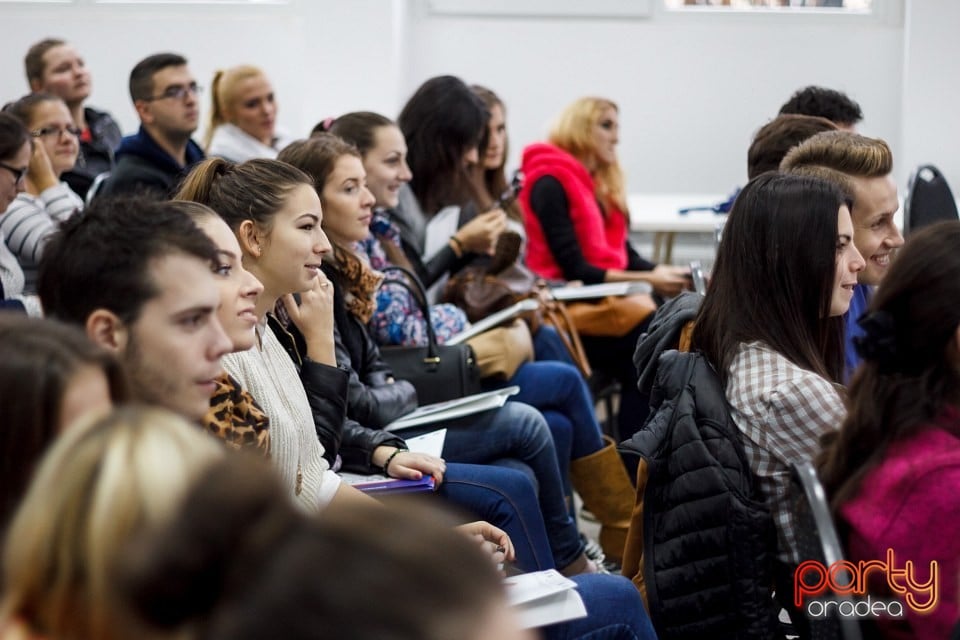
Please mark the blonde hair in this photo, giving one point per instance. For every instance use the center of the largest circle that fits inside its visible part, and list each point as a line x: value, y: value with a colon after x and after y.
x: 223, y: 93
x: 573, y: 132
x: 98, y: 486
x: 848, y: 153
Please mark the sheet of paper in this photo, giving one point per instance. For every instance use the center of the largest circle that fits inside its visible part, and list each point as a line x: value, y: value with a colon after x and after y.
x: 592, y: 291
x: 453, y: 409
x: 544, y: 597
x: 428, y: 443
x: 494, y: 319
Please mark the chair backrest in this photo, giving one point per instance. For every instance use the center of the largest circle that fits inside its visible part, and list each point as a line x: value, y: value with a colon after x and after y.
x: 817, y: 539
x: 928, y: 200
x: 95, y: 186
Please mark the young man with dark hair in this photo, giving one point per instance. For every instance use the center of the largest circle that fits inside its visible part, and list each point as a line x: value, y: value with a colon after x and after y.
x: 835, y: 106
x: 865, y: 165
x: 165, y: 95
x: 54, y: 66
x: 138, y: 276
x: 777, y: 137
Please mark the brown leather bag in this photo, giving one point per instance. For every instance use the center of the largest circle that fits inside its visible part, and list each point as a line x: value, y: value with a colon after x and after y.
x: 480, y: 294
x: 480, y: 291
x: 612, y: 316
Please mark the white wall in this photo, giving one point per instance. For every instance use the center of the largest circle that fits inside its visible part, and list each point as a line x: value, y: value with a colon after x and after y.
x: 692, y: 89
x: 931, y: 96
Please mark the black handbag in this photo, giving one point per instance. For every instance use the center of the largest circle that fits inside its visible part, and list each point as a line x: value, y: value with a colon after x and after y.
x: 437, y: 372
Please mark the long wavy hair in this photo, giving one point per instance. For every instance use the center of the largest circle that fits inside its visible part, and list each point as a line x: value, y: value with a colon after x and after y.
x: 573, y: 132
x: 774, y: 276
x: 909, y: 372
x: 493, y: 182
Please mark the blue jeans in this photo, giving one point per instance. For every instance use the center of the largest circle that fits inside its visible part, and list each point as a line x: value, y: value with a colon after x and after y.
x: 517, y: 432
x: 615, y: 610
x: 560, y: 393
x: 505, y: 498
x: 547, y: 345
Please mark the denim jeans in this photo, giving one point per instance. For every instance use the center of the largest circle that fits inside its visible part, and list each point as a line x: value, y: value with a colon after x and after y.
x: 547, y: 346
x: 505, y: 498
x: 615, y: 612
x: 560, y: 393
x: 517, y: 431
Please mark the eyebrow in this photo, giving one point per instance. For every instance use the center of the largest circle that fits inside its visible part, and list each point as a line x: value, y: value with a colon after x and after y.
x: 312, y: 216
x: 228, y: 254
x: 200, y: 308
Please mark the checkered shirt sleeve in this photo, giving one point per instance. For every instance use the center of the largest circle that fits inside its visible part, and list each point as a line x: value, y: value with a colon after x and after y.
x: 781, y: 410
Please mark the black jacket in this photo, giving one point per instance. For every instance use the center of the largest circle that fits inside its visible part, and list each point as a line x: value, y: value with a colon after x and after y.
x: 96, y: 154
x: 372, y: 400
x: 143, y: 167
x: 412, y: 223
x: 708, y: 538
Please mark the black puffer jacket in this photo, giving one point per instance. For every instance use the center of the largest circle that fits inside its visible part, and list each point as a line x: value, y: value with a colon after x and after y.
x: 708, y: 538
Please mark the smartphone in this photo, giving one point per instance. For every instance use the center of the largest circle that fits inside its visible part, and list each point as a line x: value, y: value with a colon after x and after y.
x: 696, y: 274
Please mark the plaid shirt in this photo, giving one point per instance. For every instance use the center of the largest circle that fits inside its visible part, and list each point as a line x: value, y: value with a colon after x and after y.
x: 781, y: 410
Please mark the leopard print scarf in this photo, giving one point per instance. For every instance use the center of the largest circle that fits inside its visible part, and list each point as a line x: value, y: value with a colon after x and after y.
x: 236, y: 418
x: 360, y: 284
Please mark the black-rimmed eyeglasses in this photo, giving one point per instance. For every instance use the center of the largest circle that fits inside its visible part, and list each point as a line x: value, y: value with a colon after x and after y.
x: 18, y: 174
x: 50, y: 131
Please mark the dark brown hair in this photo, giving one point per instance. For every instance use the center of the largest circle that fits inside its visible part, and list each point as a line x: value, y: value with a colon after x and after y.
x: 252, y: 190
x: 441, y: 121
x: 774, y: 276
x: 909, y: 371
x: 40, y: 357
x: 777, y: 137
x: 493, y: 182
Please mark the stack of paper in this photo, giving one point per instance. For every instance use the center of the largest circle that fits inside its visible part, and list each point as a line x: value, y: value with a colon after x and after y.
x: 544, y: 597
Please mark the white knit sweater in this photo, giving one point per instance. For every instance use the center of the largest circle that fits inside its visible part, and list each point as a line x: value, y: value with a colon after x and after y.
x: 30, y: 221
x: 270, y: 376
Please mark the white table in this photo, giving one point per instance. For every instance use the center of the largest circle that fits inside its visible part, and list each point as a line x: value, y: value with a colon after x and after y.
x: 659, y: 214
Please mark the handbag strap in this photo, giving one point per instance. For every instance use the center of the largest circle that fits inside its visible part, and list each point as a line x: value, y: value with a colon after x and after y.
x: 419, y: 294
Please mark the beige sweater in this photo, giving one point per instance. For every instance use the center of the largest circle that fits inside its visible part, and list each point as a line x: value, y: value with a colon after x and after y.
x: 270, y: 376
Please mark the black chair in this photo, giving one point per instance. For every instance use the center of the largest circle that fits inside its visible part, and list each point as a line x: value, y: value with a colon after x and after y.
x: 95, y: 186
x: 929, y: 200
x: 817, y: 539
x: 605, y: 389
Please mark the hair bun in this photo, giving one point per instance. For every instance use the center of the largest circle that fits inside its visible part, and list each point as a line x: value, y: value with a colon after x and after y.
x: 879, y: 343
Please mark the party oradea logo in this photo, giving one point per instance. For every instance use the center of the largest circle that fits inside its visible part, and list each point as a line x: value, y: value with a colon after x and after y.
x: 841, y: 588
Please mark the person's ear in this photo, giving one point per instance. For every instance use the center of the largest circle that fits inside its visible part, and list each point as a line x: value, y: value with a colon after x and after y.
x: 105, y: 329
x: 36, y: 85
x: 251, y: 238
x: 143, y: 111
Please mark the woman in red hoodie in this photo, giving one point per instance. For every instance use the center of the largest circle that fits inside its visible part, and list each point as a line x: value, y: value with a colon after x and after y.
x: 575, y: 213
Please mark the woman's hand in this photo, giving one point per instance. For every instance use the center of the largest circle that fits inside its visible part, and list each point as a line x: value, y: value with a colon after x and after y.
x: 668, y: 280
x: 409, y: 465
x: 491, y: 539
x: 314, y: 318
x: 40, y: 170
x: 480, y: 234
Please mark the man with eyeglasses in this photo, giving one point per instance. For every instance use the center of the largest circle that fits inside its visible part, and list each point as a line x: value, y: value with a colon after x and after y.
x: 166, y: 97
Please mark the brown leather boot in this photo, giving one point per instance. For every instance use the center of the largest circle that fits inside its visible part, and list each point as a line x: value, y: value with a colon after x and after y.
x: 602, y: 482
